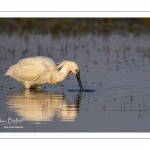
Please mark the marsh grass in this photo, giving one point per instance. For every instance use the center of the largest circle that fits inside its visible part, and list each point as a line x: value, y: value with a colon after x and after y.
x: 74, y: 26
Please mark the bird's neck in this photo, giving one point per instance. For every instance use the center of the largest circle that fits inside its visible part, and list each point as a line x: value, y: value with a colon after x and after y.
x: 59, y: 76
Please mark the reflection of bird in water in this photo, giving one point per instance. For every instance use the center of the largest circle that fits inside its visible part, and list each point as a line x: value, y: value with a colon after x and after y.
x: 34, y: 72
x: 42, y: 106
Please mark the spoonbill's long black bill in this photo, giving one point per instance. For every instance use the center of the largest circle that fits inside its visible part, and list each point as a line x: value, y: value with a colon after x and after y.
x: 79, y: 81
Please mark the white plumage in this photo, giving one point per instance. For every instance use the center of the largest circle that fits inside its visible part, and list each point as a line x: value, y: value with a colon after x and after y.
x: 36, y: 71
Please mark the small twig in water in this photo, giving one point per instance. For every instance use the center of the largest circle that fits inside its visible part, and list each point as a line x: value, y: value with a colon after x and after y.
x: 144, y: 101
x: 124, y: 105
x: 139, y: 106
x: 110, y: 111
x: 121, y: 106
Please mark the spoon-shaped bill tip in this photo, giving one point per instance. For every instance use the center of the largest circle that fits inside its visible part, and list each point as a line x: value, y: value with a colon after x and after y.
x: 79, y: 81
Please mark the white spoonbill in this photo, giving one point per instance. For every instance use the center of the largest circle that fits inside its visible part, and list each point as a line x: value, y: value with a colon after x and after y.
x: 36, y: 71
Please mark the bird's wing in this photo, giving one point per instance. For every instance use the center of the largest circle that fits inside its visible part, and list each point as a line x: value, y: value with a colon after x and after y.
x: 29, y: 71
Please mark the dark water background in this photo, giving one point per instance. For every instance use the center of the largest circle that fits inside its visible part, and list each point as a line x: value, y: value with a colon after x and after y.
x: 116, y: 67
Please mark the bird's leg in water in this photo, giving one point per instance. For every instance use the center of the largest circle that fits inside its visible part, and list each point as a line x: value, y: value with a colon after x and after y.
x: 27, y: 86
x: 33, y: 87
x: 39, y: 87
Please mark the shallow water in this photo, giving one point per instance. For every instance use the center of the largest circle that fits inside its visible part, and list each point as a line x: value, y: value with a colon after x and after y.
x: 115, y: 73
x: 84, y: 90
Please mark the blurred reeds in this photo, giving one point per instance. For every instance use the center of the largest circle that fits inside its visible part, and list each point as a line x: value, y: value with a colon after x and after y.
x: 68, y: 26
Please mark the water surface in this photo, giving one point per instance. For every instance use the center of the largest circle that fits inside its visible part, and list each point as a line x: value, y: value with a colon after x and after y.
x: 115, y: 73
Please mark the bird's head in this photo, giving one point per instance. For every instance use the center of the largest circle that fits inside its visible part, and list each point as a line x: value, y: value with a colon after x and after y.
x: 72, y: 68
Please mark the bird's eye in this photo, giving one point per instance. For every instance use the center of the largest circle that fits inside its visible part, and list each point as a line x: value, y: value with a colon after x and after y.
x: 76, y: 70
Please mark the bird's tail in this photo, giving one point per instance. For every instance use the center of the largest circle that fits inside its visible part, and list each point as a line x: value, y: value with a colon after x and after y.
x: 9, y: 71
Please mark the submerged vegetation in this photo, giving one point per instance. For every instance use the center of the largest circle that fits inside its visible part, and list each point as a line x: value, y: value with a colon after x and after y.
x: 68, y: 26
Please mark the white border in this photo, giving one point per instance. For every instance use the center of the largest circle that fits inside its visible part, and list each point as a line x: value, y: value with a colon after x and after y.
x: 74, y: 5
x: 67, y: 8
x: 113, y: 135
x: 92, y: 144
x: 74, y: 14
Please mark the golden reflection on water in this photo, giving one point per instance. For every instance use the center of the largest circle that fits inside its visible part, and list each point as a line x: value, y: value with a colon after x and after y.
x: 42, y: 106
